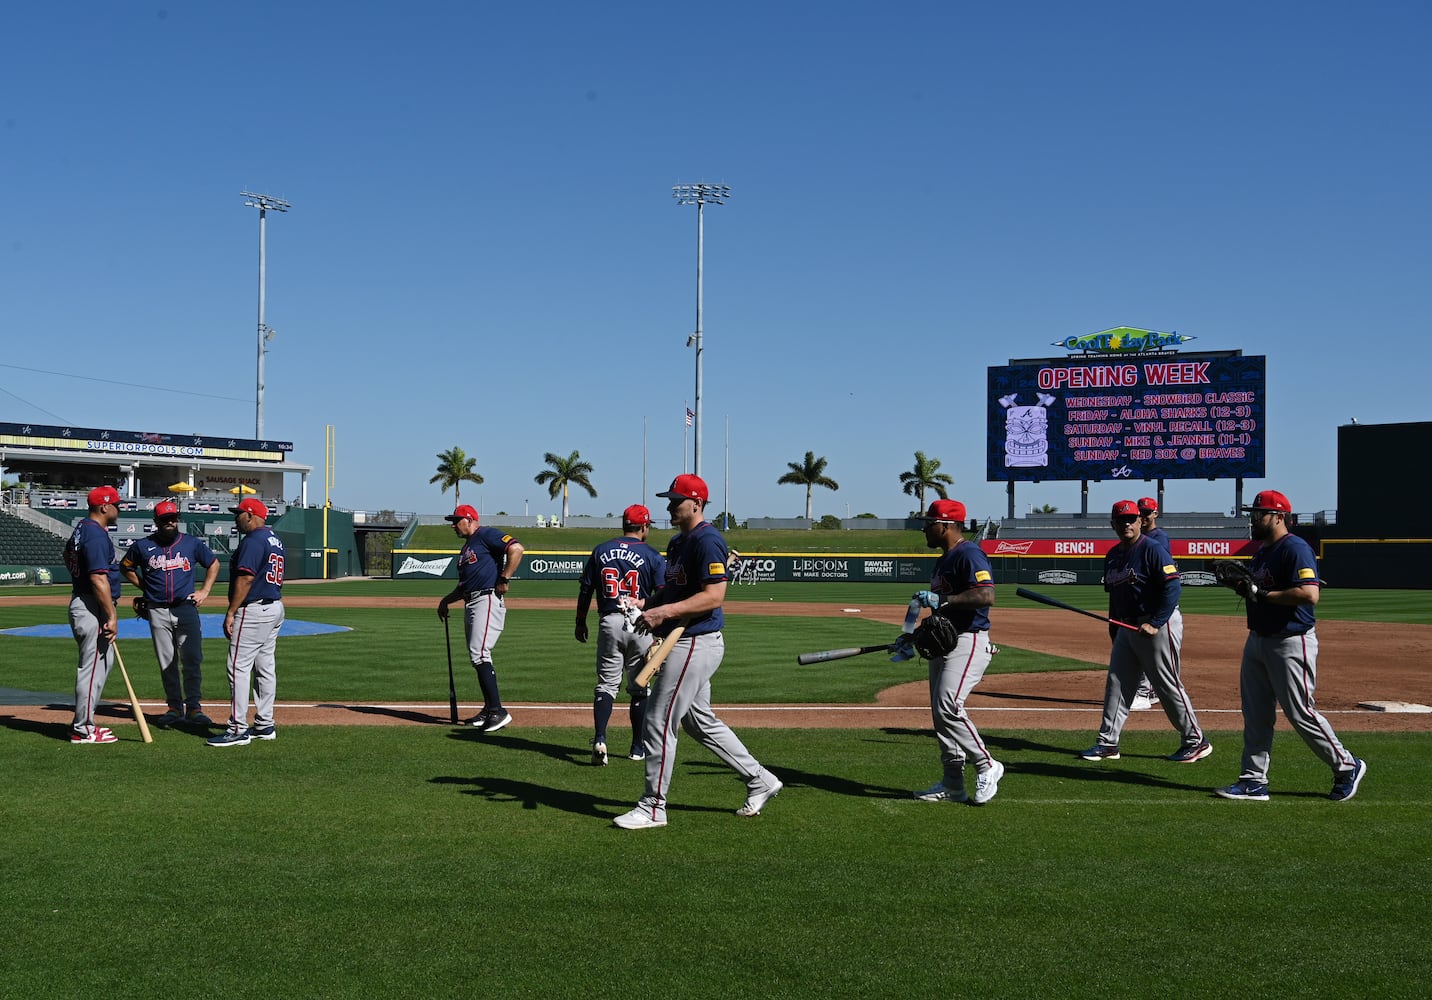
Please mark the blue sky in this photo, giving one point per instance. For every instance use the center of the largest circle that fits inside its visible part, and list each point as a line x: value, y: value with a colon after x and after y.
x: 483, y: 249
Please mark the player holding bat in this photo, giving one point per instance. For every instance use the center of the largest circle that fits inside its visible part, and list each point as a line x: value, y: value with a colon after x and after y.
x: 693, y: 593
x: 962, y: 592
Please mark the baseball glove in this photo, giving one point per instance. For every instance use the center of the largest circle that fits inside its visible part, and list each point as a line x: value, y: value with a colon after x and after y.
x: 141, y: 608
x: 1237, y: 578
x: 935, y: 637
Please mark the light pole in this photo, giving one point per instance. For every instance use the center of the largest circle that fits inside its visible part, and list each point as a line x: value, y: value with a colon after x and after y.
x: 263, y: 203
x: 699, y: 195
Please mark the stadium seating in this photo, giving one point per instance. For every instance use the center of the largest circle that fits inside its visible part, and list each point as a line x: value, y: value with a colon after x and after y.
x: 24, y: 544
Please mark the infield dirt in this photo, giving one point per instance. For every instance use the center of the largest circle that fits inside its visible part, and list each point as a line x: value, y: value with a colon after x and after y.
x: 1358, y: 662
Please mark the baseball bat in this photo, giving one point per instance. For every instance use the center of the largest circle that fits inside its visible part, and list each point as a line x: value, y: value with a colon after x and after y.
x: 1032, y: 596
x: 452, y: 684
x: 806, y: 659
x: 657, y: 655
x: 144, y: 733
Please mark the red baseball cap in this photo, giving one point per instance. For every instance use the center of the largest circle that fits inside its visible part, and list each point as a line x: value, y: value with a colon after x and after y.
x: 101, y: 495
x: 166, y: 508
x: 252, y: 505
x: 946, y: 510
x: 688, y: 487
x: 1265, y: 500
x: 636, y: 515
x: 1148, y: 505
x: 1125, y: 507
x: 462, y: 511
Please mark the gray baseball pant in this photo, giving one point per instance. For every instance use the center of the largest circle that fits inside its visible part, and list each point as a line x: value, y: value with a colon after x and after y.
x: 952, y: 678
x: 1156, y: 657
x: 178, y: 638
x: 1283, y: 671
x: 681, y: 695
x: 251, y: 659
x: 95, y: 661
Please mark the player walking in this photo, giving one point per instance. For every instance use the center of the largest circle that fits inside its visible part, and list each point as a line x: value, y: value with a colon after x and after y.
x: 485, y: 567
x: 623, y: 572
x: 89, y: 556
x: 1147, y: 697
x: 1144, y: 589
x: 1280, y: 656
x: 162, y: 567
x: 962, y: 589
x: 694, y: 591
x: 251, y: 624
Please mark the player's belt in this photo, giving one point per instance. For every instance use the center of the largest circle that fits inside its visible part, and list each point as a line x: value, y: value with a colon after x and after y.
x: 170, y: 604
x: 471, y: 595
x: 266, y: 600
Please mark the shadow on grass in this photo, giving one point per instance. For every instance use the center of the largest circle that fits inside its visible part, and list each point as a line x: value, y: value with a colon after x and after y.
x: 51, y: 730
x: 406, y: 715
x: 514, y: 741
x: 533, y: 796
x: 792, y: 777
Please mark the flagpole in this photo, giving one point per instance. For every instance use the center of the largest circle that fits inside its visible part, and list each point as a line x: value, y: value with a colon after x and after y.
x: 726, y: 478
x: 685, y: 423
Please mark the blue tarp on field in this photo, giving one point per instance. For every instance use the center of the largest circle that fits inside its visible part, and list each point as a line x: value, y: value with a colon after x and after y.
x: 138, y: 628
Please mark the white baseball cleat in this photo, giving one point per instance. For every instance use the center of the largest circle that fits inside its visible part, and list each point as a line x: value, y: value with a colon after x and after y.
x: 755, y: 800
x: 599, y: 753
x: 987, y: 783
x: 640, y: 818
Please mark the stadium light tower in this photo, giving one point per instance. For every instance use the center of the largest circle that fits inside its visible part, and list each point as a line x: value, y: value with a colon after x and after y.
x: 263, y: 203
x: 699, y: 195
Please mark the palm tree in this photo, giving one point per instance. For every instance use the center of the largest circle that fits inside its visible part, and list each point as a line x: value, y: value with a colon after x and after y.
x: 454, y: 469
x: 564, y: 472
x: 925, y: 476
x: 808, y: 474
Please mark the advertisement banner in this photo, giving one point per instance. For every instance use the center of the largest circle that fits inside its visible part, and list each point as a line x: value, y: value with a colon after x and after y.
x: 410, y: 564
x: 1181, y: 548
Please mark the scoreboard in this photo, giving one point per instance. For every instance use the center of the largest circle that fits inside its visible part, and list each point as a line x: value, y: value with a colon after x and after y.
x: 1183, y: 416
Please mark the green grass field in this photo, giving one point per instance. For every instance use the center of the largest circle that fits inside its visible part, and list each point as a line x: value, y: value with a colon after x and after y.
x: 425, y: 861
x: 430, y: 861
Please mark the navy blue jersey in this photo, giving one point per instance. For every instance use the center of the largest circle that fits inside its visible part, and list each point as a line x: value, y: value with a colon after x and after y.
x: 260, y: 555
x: 622, y: 567
x: 89, y: 550
x: 167, y: 571
x: 1289, y: 562
x: 692, y: 561
x: 1160, y: 536
x: 963, y: 568
x: 1142, y: 582
x: 480, y: 562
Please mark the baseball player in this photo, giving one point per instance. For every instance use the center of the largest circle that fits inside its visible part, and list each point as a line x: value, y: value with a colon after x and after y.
x: 163, y: 566
x: 962, y: 583
x: 485, y: 567
x: 693, y: 593
x: 1280, y: 656
x: 1147, y: 697
x: 1144, y: 589
x: 89, y: 556
x: 623, y: 573
x: 252, y: 624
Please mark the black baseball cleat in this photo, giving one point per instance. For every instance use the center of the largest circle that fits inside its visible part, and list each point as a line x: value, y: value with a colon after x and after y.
x: 498, y: 719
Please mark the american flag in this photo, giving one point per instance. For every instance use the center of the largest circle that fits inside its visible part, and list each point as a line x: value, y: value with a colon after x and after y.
x: 690, y: 416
